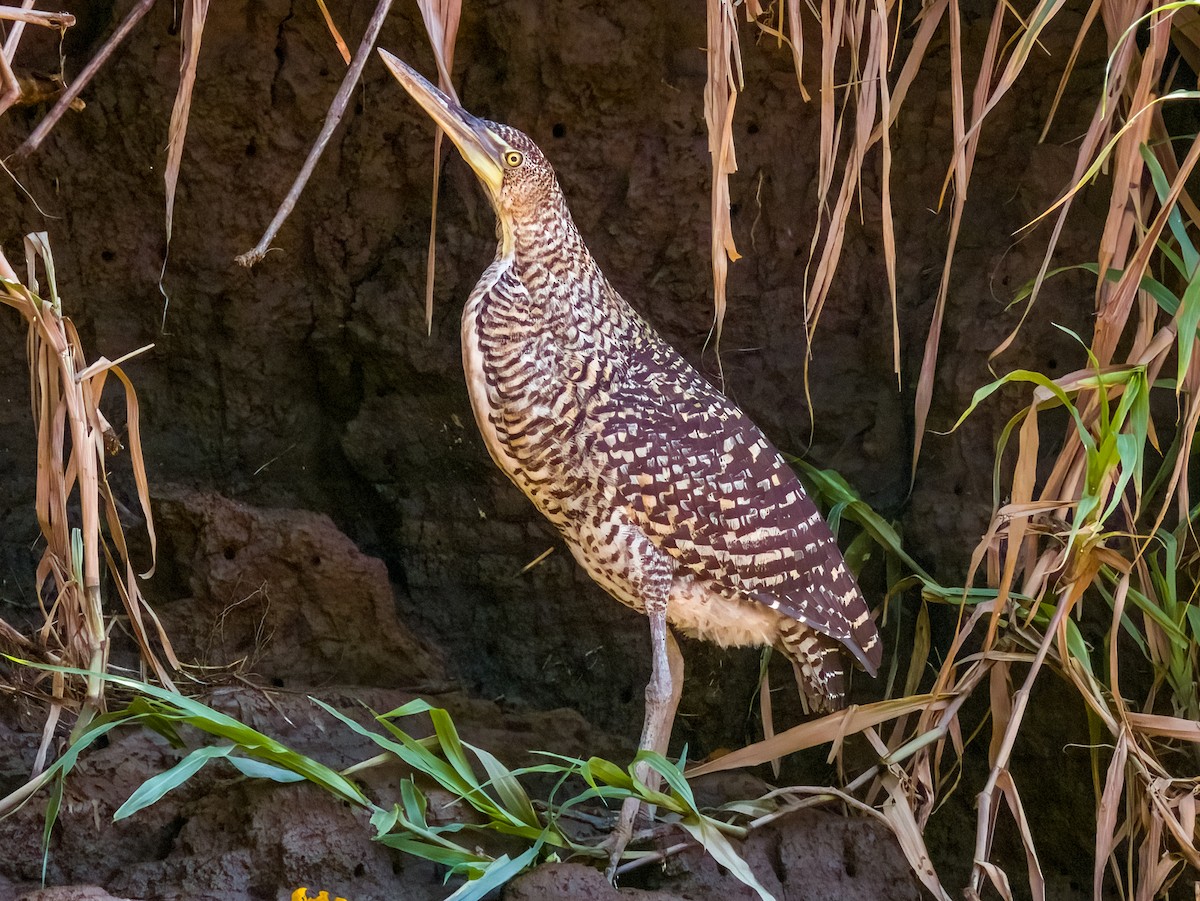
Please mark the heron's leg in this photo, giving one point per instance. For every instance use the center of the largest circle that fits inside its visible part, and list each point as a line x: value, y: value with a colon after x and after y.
x: 662, y: 699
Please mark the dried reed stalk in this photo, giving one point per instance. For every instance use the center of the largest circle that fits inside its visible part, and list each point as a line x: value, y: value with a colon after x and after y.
x: 75, y: 506
x: 720, y: 98
x: 441, y: 18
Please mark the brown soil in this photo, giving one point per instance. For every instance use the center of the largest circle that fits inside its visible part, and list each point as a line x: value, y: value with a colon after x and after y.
x: 328, y: 515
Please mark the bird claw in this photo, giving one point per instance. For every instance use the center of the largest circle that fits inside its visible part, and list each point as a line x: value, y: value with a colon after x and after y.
x: 631, y: 811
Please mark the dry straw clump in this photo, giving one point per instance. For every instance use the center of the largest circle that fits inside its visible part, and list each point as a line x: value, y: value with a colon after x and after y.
x: 1105, y: 524
x: 76, y: 511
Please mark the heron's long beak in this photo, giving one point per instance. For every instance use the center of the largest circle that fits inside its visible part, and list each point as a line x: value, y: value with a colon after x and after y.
x: 478, y: 144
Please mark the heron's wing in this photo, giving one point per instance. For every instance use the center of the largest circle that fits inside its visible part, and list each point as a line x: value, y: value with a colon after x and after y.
x: 712, y: 491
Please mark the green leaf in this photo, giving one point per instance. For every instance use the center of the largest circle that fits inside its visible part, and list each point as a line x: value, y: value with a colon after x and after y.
x: 598, y: 769
x: 1077, y: 647
x: 415, y: 706
x: 256, y: 769
x: 1162, y: 295
x: 512, y: 796
x: 416, y: 805
x: 1193, y: 619
x: 833, y: 489
x: 1163, y: 189
x: 383, y: 821
x: 456, y: 756
x: 200, y: 716
x: 407, y: 749
x: 672, y: 775
x: 1168, y: 625
x: 53, y: 806
x: 1187, y: 318
x: 154, y: 788
x: 497, y: 873
x: 454, y: 856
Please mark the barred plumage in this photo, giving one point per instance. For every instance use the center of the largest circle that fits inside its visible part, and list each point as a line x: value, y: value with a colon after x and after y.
x: 665, y: 492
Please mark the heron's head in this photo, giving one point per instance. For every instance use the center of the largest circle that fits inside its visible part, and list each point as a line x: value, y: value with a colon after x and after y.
x: 511, y: 168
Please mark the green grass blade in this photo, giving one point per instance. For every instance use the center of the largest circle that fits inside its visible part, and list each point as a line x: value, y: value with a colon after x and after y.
x: 674, y: 778
x: 453, y: 751
x: 154, y: 788
x: 1188, y: 317
x: 416, y: 805
x: 513, y: 796
x: 597, y: 769
x: 413, y: 707
x: 497, y: 873
x: 832, y: 488
x: 1163, y: 189
x: 257, y: 769
x: 200, y: 716
x: 456, y: 857
x: 407, y: 749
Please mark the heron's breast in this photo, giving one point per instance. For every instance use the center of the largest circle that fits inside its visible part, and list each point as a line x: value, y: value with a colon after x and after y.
x: 531, y: 398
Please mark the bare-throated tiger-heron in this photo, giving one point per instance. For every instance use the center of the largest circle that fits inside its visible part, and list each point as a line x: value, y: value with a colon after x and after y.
x: 664, y: 490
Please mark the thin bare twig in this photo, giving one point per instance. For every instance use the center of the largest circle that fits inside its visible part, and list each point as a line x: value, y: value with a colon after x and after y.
x: 11, y: 92
x: 34, y: 141
x: 36, y: 17
x: 8, y: 80
x: 332, y: 118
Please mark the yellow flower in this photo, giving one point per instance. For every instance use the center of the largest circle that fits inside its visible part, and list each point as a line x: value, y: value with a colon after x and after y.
x: 301, y: 894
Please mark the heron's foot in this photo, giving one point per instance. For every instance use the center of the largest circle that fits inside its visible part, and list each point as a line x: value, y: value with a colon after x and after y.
x: 632, y: 812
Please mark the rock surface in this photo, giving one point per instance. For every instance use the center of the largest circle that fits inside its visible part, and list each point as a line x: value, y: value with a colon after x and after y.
x: 283, y: 593
x: 808, y: 854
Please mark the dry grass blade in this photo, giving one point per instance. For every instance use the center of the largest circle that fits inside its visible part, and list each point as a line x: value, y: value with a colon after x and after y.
x: 441, y: 18
x: 1116, y: 309
x: 818, y: 732
x: 338, y: 40
x: 1084, y: 28
x: 1106, y: 814
x: 195, y: 12
x: 831, y: 247
x: 879, y: 24
x: 767, y: 716
x: 796, y: 42
x: 1042, y: 15
x: 960, y: 174
x: 986, y: 822
x: 720, y: 98
x: 1037, y: 883
x: 1117, y: 17
x: 26, y: 15
x: 899, y: 814
x: 1164, y: 726
x: 872, y: 106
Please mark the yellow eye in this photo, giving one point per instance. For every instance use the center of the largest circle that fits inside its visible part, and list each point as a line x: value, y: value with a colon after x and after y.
x: 513, y: 158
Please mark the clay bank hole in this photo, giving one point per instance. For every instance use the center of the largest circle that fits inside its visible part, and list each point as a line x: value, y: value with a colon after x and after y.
x: 559, y: 130
x: 230, y: 552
